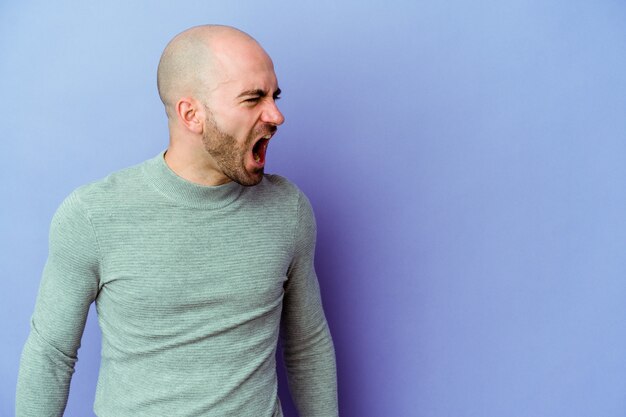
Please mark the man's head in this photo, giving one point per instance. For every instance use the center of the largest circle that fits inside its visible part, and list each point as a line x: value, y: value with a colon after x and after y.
x: 219, y: 90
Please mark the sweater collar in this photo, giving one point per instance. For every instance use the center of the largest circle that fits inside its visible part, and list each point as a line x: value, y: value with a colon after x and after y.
x: 185, y: 192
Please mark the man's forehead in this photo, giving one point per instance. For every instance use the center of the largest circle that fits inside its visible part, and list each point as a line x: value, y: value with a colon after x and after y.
x: 248, y: 83
x: 244, y: 71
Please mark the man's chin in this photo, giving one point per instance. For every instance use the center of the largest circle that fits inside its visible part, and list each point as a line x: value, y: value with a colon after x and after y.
x: 251, y: 179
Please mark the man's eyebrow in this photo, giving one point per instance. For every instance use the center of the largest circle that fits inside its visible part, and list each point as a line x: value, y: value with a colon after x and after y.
x: 258, y: 92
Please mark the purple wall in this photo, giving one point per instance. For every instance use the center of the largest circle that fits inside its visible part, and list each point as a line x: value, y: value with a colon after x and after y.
x: 466, y: 162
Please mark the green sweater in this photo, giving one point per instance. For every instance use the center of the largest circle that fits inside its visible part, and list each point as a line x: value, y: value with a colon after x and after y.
x: 191, y: 285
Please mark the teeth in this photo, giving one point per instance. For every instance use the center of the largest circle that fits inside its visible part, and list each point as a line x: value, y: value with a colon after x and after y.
x: 267, y: 136
x: 257, y: 158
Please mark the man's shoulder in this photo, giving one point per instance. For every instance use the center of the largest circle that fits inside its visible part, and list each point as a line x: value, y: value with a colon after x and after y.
x: 280, y: 186
x: 281, y: 183
x: 123, y: 183
x: 286, y: 194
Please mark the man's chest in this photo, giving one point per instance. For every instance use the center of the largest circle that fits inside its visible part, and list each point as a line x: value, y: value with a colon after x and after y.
x: 179, y: 263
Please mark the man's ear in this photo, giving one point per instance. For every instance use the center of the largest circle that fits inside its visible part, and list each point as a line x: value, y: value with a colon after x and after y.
x: 190, y: 113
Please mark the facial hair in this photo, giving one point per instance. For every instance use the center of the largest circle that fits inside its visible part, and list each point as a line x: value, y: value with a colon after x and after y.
x: 229, y: 154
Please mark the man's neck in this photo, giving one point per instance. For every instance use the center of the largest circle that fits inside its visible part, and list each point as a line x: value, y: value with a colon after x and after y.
x: 191, y: 166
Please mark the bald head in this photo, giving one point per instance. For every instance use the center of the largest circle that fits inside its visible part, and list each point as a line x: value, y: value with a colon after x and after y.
x: 196, y: 61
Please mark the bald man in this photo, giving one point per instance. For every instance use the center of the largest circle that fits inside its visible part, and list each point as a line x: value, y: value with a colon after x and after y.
x: 195, y: 259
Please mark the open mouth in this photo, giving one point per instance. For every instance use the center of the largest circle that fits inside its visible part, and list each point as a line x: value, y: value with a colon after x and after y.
x: 259, y: 149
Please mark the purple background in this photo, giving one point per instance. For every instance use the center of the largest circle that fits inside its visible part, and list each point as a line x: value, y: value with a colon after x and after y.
x: 465, y: 160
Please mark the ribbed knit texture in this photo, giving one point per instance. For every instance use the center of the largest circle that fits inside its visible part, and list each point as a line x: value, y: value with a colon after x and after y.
x: 191, y: 284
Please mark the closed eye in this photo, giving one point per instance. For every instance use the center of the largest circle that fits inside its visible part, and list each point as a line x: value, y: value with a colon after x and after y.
x: 254, y: 96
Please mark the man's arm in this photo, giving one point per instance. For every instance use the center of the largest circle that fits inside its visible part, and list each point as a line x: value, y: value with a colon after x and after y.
x: 68, y: 286
x: 308, y: 350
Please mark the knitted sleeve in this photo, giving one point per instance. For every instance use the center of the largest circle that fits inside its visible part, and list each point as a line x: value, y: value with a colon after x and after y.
x: 306, y: 340
x: 68, y: 286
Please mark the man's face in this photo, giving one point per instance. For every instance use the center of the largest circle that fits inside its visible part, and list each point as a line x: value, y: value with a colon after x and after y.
x: 242, y: 116
x: 232, y: 155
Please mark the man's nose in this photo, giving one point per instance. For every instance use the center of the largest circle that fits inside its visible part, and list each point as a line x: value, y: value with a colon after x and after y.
x: 272, y: 115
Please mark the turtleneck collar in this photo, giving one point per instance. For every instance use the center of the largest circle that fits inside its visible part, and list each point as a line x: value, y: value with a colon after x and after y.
x: 185, y: 192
